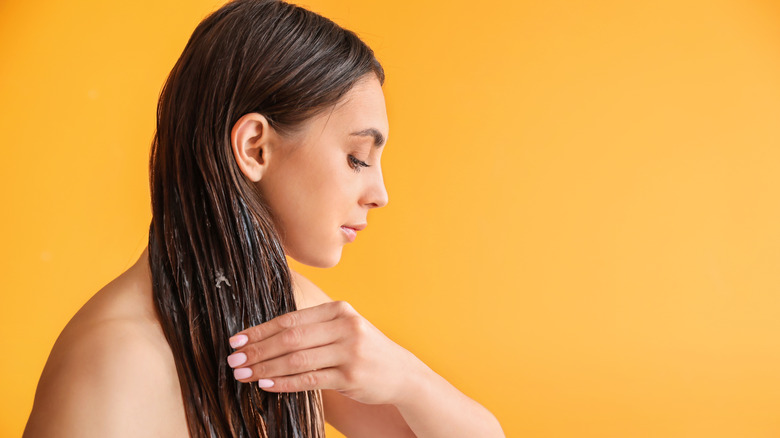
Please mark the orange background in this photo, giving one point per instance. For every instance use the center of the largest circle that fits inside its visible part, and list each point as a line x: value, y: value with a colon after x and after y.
x: 583, y: 231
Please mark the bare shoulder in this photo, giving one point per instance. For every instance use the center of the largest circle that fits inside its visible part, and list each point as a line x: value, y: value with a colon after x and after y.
x: 307, y: 294
x: 110, y: 374
x: 111, y: 381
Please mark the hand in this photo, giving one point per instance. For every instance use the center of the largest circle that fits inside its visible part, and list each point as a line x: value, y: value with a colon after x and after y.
x: 329, y: 346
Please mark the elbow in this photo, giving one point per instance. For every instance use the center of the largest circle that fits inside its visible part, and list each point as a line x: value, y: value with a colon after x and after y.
x: 493, y: 427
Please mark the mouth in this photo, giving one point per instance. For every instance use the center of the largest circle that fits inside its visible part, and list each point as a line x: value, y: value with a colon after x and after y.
x: 357, y: 227
x: 350, y: 231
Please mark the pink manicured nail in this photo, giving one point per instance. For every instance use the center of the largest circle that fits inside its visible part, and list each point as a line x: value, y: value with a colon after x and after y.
x: 242, y: 373
x: 238, y: 341
x: 265, y: 383
x: 236, y: 359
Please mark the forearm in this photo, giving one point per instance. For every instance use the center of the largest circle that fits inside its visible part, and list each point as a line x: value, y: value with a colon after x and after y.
x: 432, y: 407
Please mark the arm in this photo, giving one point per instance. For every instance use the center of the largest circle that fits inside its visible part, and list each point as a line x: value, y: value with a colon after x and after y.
x: 350, y: 417
x: 435, y: 408
x: 371, y: 385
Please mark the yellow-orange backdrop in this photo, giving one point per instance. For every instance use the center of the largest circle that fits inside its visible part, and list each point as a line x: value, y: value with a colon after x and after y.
x: 584, y: 225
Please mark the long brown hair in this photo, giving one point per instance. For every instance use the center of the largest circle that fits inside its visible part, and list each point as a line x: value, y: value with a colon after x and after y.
x: 217, y: 263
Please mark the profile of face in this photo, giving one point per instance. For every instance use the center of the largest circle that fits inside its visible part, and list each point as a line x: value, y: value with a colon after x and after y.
x: 321, y: 181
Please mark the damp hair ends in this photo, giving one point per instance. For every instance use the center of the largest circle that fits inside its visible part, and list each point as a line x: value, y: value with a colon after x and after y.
x: 217, y: 262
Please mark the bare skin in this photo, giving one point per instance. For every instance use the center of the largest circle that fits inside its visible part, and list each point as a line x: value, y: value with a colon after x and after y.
x: 112, y: 373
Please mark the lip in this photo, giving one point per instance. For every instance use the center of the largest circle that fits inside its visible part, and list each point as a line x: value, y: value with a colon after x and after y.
x: 350, y: 231
x: 357, y: 227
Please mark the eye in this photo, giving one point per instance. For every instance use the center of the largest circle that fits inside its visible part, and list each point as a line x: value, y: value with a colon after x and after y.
x: 356, y: 164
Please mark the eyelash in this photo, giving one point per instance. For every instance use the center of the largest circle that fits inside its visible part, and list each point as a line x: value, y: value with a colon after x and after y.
x: 356, y: 164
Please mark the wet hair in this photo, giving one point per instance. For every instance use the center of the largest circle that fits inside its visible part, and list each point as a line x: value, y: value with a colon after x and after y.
x: 216, y: 259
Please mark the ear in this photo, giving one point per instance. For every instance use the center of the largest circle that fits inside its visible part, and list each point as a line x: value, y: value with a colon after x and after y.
x: 250, y: 139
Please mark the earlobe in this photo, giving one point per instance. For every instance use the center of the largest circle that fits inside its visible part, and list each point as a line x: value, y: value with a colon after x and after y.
x: 249, y: 140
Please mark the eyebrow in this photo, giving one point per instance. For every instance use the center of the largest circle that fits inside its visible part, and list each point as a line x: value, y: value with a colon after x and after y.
x: 379, y: 139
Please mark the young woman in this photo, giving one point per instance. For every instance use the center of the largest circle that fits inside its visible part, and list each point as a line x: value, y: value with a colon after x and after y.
x: 270, y: 131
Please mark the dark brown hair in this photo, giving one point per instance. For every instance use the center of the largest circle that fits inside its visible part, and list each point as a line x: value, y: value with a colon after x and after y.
x: 217, y: 263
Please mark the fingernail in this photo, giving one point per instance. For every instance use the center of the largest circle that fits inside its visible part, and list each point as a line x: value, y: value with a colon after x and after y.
x: 265, y: 383
x: 238, y: 341
x: 236, y: 359
x: 242, y: 373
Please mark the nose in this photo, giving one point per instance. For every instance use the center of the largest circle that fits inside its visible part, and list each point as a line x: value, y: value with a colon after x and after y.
x: 376, y: 193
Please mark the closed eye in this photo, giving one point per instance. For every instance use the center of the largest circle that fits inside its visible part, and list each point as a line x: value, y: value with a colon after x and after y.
x: 356, y: 164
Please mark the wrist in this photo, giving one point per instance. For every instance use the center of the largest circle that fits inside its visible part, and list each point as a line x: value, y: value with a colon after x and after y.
x: 415, y: 384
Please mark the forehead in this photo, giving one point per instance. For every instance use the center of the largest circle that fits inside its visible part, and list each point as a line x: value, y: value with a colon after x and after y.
x: 363, y: 107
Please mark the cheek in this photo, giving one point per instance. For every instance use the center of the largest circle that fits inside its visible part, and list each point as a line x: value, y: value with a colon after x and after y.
x: 327, y: 183
x: 309, y: 195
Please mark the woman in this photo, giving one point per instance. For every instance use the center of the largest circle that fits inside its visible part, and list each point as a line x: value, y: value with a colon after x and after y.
x: 270, y: 131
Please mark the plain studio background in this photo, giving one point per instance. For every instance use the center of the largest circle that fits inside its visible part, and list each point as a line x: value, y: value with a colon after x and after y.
x: 583, y: 231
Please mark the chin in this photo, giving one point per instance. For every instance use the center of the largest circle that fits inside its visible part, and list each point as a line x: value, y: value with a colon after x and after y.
x: 319, y: 260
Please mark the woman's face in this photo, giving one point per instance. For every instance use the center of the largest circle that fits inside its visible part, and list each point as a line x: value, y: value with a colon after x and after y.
x: 316, y: 184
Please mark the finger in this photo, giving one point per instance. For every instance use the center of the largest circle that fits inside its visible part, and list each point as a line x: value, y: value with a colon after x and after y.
x: 291, y: 364
x: 323, y: 312
x: 288, y: 341
x: 328, y: 378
